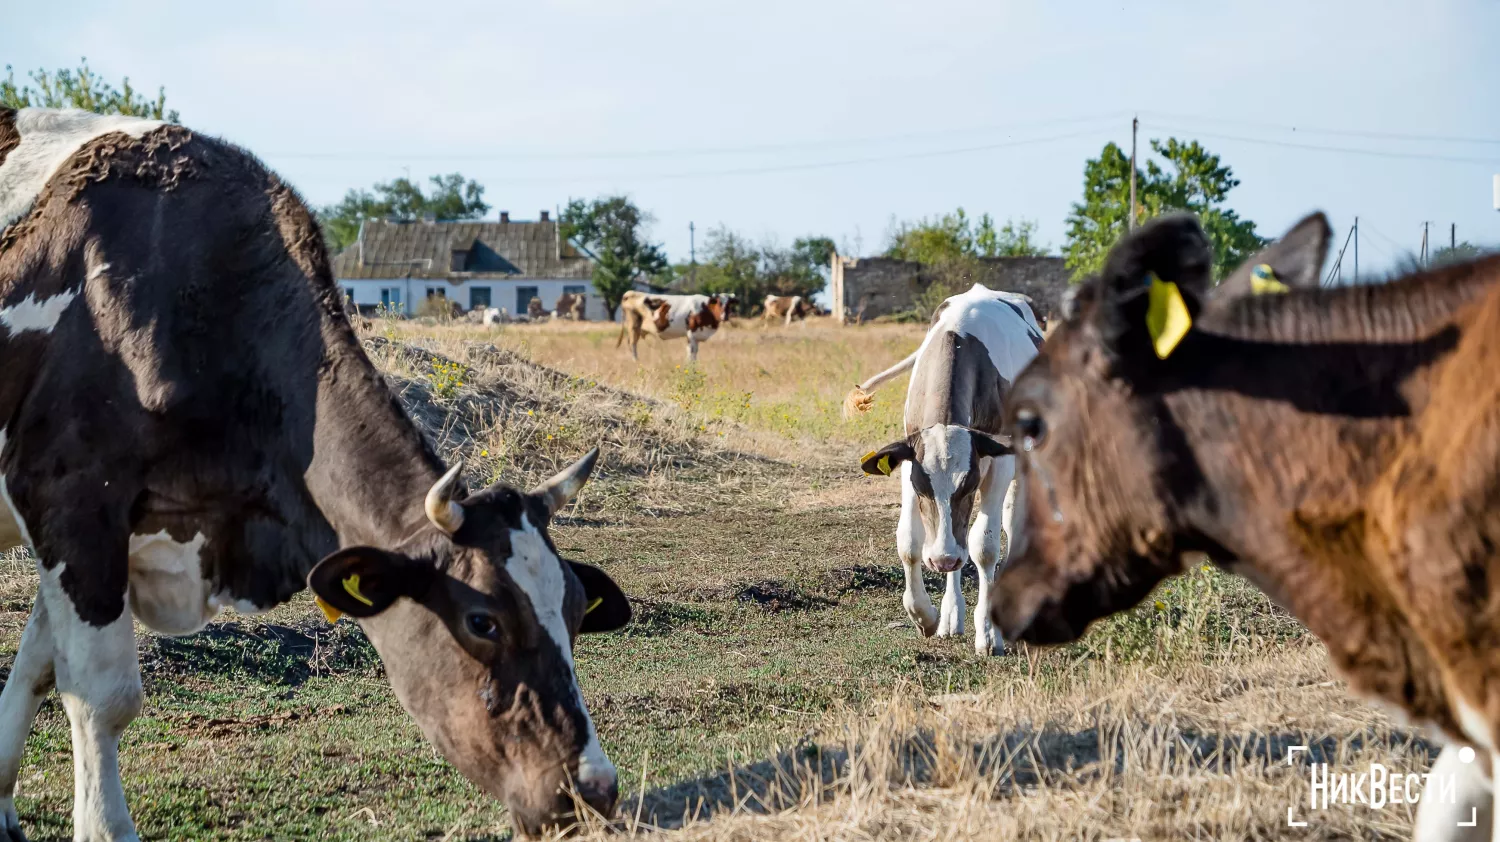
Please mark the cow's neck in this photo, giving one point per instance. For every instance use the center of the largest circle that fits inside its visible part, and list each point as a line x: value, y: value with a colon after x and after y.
x: 371, y: 468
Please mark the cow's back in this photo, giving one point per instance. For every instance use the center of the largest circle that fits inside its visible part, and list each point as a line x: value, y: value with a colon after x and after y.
x: 979, y: 342
x: 166, y: 301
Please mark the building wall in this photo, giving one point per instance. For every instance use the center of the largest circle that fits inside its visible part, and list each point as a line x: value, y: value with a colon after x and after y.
x: 869, y: 287
x: 370, y: 293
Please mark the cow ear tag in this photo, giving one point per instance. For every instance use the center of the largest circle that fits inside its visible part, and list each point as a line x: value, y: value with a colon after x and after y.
x: 1167, y: 318
x: 333, y: 614
x: 594, y: 603
x: 1263, y: 280
x: 883, y: 466
x: 351, y: 584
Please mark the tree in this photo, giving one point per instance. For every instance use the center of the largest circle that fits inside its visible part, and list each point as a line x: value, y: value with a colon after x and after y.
x: 82, y: 88
x: 953, y: 237
x: 1197, y: 181
x: 1457, y: 254
x: 733, y: 263
x: 451, y: 197
x: 612, y: 230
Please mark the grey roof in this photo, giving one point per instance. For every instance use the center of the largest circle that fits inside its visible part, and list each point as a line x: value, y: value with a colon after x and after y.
x: 460, y: 251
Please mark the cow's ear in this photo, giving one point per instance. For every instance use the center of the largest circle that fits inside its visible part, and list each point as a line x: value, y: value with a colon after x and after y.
x: 364, y: 581
x: 606, y: 607
x: 883, y: 462
x: 992, y: 446
x: 1152, y: 287
x: 1294, y: 261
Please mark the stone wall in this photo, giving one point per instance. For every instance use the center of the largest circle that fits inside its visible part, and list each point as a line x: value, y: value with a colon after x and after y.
x: 865, y: 288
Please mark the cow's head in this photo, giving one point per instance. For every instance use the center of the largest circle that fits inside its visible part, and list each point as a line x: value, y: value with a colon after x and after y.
x: 479, y: 650
x: 942, y: 464
x: 1106, y: 469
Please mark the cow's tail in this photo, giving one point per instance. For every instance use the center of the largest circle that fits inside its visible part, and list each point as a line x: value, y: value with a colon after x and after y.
x: 859, y: 399
x: 620, y: 340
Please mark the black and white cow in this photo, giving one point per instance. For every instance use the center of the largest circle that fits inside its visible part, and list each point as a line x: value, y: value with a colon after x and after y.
x: 188, y: 422
x: 952, y: 465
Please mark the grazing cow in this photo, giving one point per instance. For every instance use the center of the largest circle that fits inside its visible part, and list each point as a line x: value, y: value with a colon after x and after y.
x: 787, y: 308
x: 187, y: 422
x: 1338, y: 447
x: 696, y: 317
x: 961, y: 373
x: 571, y: 306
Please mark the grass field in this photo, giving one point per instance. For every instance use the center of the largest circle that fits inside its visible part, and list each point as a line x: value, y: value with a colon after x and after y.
x: 770, y: 686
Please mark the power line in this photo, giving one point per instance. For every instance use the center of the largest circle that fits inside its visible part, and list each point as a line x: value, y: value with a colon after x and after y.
x: 848, y: 162
x: 1373, y: 135
x: 698, y: 152
x: 1341, y: 149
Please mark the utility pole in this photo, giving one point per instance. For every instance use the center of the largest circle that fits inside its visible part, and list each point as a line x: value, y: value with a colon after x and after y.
x: 693, y: 256
x: 1424, y: 244
x: 1453, y: 235
x: 1135, y: 123
x: 1356, y: 249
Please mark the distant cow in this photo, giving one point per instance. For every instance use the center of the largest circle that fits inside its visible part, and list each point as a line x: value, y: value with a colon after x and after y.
x: 787, y: 308
x: 493, y: 316
x: 571, y: 306
x: 534, y: 310
x: 951, y: 462
x: 187, y: 422
x: 696, y: 317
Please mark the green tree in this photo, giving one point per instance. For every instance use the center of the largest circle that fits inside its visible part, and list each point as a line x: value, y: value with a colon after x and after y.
x: 1014, y: 239
x: 955, y: 237
x: 733, y: 263
x: 82, y: 88
x: 1197, y: 181
x: 451, y: 197
x: 612, y: 230
x: 1457, y: 254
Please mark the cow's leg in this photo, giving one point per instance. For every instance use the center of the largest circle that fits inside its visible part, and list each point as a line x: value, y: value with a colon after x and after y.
x: 992, y: 509
x: 1442, y: 820
x: 31, y: 678
x: 909, y: 537
x: 99, y: 679
x: 951, y: 623
x: 692, y: 349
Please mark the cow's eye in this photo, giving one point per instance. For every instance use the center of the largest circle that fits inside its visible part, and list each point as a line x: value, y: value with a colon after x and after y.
x: 1031, y: 427
x: 482, y: 625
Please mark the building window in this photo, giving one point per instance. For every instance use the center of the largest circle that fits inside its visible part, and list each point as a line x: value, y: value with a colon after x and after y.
x: 458, y: 260
x: 436, y: 292
x: 390, y: 298
x: 575, y: 289
x: 479, y: 297
x: 524, y: 296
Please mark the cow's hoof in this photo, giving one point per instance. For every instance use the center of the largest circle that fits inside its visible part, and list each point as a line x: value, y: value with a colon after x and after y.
x: 949, y: 627
x: 986, y: 648
x: 928, y: 626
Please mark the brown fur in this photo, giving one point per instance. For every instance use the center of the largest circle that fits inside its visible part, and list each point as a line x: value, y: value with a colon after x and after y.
x: 9, y: 137
x: 1340, y: 447
x: 570, y: 306
x: 706, y: 318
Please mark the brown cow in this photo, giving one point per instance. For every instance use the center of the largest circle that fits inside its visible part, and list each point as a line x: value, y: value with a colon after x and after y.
x: 1340, y: 448
x: 571, y: 306
x: 696, y: 317
x: 787, y: 308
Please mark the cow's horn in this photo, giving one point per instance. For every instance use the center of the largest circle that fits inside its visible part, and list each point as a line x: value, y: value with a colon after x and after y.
x: 441, y: 510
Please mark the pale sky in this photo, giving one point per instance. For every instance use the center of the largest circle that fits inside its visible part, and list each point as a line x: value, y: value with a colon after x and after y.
x: 781, y: 119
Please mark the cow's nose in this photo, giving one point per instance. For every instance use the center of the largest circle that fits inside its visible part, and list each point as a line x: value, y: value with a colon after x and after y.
x: 943, y: 563
x: 600, y: 793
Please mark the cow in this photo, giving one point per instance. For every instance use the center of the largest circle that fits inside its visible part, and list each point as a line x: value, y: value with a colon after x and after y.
x: 534, y: 310
x: 696, y: 317
x: 951, y: 464
x: 188, y: 422
x: 787, y: 308
x: 571, y: 306
x: 1339, y: 447
x: 494, y: 317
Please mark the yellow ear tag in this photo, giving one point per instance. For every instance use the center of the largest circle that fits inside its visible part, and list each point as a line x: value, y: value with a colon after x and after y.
x: 333, y: 614
x: 597, y: 601
x: 351, y: 584
x: 1167, y: 318
x: 1263, y: 280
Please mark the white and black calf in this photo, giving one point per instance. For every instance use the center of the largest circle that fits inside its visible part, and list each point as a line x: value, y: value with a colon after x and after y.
x: 952, y: 463
x: 188, y: 422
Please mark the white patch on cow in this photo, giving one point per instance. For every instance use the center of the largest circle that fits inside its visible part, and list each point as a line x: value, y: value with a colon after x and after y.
x: 1475, y: 725
x: 48, y: 139
x: 12, y: 526
x: 909, y: 539
x: 1438, y: 819
x: 167, y: 591
x: 537, y: 571
x: 97, y: 271
x: 946, y: 455
x: 99, y: 679
x: 31, y: 313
